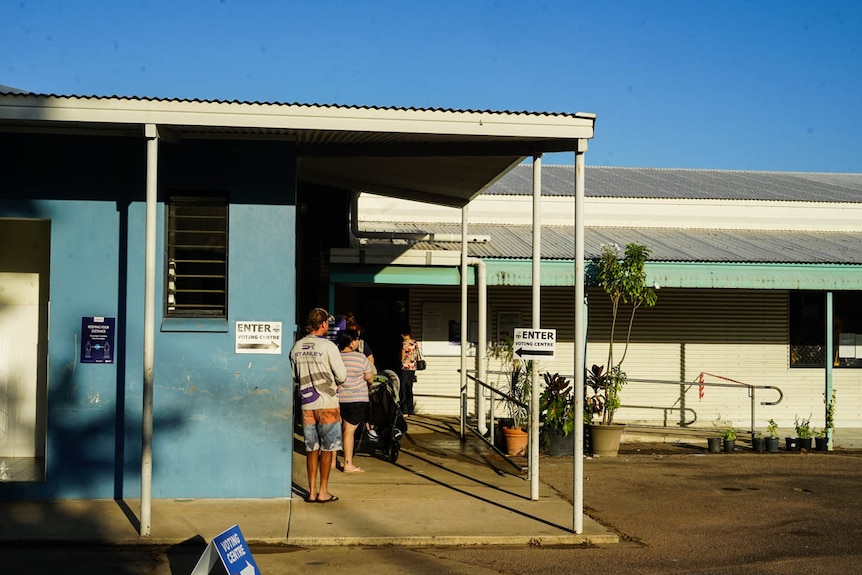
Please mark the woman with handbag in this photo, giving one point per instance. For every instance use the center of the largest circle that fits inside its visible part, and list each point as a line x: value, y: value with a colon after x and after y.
x: 410, y: 357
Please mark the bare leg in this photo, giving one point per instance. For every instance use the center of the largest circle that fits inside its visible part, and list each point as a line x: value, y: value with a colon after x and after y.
x: 312, y: 461
x: 348, y: 432
x: 325, y: 469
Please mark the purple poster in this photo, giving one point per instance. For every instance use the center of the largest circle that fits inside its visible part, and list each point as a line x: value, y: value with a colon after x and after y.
x: 97, y: 339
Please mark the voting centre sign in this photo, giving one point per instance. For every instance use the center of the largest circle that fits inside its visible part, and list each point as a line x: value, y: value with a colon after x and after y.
x: 531, y: 343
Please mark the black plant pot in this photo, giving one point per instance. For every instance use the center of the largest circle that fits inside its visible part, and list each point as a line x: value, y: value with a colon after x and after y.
x: 791, y: 444
x: 729, y: 445
x: 804, y: 443
x: 714, y: 444
x: 821, y: 444
x: 771, y: 444
x: 757, y: 444
x: 557, y: 444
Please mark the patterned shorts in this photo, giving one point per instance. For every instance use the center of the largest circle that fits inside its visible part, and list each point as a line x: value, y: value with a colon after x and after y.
x: 321, y: 429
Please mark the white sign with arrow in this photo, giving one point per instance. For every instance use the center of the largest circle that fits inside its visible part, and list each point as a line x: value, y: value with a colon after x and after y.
x: 258, y: 337
x: 534, y: 343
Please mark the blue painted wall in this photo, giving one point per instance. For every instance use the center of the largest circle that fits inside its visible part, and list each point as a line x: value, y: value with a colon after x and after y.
x: 222, y: 421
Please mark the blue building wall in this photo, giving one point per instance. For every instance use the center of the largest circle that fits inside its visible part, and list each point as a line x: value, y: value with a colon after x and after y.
x: 222, y: 421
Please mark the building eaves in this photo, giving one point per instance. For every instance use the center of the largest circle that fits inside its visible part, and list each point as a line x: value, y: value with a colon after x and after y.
x: 656, y: 183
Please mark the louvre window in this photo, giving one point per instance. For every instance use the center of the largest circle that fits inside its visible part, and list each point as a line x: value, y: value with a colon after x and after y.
x: 197, y: 258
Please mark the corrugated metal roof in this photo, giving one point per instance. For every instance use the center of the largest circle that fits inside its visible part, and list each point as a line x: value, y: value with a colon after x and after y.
x: 8, y: 90
x: 611, y: 182
x: 669, y: 245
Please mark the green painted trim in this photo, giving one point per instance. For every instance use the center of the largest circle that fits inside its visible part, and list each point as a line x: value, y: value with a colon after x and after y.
x: 396, y: 275
x: 665, y: 274
x: 756, y: 276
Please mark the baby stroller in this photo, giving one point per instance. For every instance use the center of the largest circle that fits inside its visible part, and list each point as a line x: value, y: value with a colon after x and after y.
x: 386, y: 425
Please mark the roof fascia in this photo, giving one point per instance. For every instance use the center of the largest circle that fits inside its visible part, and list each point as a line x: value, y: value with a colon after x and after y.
x: 42, y: 108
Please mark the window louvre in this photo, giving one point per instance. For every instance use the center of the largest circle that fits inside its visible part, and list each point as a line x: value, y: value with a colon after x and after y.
x: 197, y: 258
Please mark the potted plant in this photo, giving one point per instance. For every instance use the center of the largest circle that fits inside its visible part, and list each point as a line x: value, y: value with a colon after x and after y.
x: 624, y: 282
x: 518, y: 376
x: 713, y: 442
x: 557, y: 413
x: 804, y: 434
x: 729, y: 439
x: 771, y: 439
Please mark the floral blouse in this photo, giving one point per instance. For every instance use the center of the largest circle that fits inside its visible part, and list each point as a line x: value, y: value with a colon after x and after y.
x: 409, y: 354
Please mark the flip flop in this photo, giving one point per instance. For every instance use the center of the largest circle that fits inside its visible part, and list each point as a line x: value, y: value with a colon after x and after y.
x: 354, y: 470
x: 332, y: 498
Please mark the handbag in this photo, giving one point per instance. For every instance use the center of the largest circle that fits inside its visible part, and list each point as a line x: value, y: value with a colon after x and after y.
x: 420, y: 363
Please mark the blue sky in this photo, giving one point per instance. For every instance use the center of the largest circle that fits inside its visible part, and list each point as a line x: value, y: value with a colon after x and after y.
x: 723, y: 84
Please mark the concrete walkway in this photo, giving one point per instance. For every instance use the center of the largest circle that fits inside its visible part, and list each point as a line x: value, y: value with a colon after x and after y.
x: 439, y: 492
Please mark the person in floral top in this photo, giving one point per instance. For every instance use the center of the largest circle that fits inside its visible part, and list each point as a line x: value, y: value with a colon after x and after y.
x: 409, y: 356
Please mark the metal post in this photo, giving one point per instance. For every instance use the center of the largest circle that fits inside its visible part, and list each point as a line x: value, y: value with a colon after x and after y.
x: 482, y: 342
x: 829, y: 355
x: 464, y: 324
x: 152, y: 135
x: 580, y: 341
x: 537, y: 324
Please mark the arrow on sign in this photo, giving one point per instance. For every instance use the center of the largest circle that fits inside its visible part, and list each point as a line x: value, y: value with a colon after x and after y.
x: 270, y: 345
x: 533, y: 352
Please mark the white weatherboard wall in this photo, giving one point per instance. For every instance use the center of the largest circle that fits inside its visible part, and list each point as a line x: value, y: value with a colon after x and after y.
x: 737, y: 334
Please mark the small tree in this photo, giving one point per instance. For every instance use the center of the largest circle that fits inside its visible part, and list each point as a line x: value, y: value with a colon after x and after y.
x: 624, y: 281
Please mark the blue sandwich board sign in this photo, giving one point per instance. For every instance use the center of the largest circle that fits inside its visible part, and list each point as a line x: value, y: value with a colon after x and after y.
x: 233, y: 551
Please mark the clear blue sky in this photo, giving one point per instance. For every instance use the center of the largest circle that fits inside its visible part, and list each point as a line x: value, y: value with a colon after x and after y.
x: 724, y: 84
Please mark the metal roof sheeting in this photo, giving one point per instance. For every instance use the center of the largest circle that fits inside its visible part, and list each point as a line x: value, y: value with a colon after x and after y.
x: 668, y: 245
x: 654, y: 183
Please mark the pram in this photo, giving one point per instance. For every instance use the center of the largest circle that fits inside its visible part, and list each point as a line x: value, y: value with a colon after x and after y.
x: 386, y: 425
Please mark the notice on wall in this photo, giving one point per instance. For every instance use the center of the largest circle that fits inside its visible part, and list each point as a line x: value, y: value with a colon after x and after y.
x: 258, y: 337
x: 97, y: 339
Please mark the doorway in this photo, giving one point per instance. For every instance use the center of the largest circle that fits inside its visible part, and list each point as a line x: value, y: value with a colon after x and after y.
x: 381, y: 311
x: 24, y: 281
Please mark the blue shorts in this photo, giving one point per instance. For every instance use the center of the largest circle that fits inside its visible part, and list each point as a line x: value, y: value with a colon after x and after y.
x: 321, y: 429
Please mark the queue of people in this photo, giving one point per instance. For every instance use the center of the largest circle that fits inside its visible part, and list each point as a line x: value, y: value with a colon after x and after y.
x: 333, y: 383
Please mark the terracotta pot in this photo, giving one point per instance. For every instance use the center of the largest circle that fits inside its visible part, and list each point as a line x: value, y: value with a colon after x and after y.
x: 605, y: 439
x: 516, y: 441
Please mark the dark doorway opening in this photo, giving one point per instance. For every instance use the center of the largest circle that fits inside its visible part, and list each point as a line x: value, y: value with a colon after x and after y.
x: 381, y: 311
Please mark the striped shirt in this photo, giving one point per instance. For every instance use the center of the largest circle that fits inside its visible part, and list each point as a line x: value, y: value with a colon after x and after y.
x: 354, y: 388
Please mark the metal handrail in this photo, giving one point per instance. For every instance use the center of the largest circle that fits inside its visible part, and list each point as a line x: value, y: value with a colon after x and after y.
x: 734, y: 384
x: 492, y: 442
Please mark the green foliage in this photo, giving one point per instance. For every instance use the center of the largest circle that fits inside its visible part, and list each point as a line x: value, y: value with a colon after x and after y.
x: 803, y: 428
x: 519, y: 379
x: 557, y: 403
x: 724, y: 429
x: 624, y: 281
x: 772, y: 429
x: 830, y: 414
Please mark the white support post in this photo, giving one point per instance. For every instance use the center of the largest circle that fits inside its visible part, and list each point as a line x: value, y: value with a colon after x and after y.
x: 464, y: 324
x: 580, y: 341
x: 152, y: 134
x: 537, y: 324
